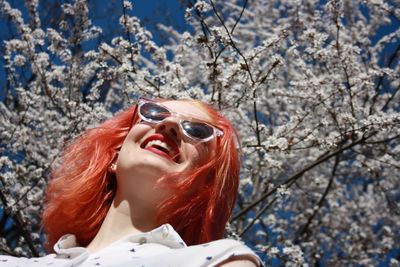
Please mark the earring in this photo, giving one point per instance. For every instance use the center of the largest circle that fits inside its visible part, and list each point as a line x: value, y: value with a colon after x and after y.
x: 112, y: 167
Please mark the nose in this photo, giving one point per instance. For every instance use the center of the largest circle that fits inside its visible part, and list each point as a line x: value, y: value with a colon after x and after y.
x: 170, y: 126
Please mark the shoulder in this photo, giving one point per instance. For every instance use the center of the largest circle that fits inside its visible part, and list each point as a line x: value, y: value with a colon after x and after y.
x: 233, y: 253
x: 230, y: 244
x: 239, y: 263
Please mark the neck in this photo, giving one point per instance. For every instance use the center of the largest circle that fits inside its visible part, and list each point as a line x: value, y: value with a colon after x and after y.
x: 120, y: 221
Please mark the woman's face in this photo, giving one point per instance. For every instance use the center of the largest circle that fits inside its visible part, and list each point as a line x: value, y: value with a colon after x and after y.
x: 152, y: 150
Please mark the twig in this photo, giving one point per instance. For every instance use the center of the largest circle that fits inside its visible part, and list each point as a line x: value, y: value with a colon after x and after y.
x: 232, y: 43
x: 390, y: 98
x: 258, y: 131
x: 8, y: 252
x: 380, y: 82
x: 391, y: 200
x: 305, y: 227
x: 348, y: 85
x: 258, y: 215
x: 128, y: 35
x: 204, y: 28
x: 384, y: 140
x: 19, y: 222
x: 240, y: 16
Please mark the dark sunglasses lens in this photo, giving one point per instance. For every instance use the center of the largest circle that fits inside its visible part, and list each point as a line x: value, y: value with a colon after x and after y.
x: 197, y: 129
x: 154, y: 112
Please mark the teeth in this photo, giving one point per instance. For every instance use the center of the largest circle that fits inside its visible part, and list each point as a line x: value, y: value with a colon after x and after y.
x: 161, y: 144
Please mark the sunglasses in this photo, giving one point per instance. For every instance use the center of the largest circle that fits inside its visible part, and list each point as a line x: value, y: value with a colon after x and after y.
x: 195, y: 129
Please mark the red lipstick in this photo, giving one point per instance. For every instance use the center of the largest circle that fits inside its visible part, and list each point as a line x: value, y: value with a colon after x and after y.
x: 159, y: 150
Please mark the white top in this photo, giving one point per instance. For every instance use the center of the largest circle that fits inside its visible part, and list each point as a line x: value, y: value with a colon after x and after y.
x: 161, y: 247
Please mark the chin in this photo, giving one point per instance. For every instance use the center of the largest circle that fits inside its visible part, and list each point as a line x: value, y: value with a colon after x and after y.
x: 149, y: 163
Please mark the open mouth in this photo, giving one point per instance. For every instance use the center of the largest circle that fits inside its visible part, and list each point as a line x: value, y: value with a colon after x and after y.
x: 162, y: 146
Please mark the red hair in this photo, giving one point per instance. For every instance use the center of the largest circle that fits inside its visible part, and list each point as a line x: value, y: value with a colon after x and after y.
x: 82, y: 189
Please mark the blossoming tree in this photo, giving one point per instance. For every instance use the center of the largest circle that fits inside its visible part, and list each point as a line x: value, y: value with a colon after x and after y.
x: 313, y: 89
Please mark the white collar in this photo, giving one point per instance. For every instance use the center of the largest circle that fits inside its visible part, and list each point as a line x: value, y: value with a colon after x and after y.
x: 67, y: 246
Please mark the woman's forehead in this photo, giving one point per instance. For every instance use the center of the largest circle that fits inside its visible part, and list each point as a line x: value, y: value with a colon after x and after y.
x: 187, y: 108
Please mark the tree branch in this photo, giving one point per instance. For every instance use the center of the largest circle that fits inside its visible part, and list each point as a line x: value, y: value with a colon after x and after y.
x: 258, y: 215
x: 19, y: 222
x: 240, y: 16
x: 380, y: 82
x: 302, y: 230
x: 298, y: 174
x: 246, y: 67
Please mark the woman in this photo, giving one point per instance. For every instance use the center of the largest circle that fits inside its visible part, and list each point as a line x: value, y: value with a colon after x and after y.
x: 153, y: 186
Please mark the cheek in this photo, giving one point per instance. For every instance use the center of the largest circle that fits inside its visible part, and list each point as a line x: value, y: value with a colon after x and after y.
x: 198, y: 155
x: 137, y: 132
x: 129, y: 154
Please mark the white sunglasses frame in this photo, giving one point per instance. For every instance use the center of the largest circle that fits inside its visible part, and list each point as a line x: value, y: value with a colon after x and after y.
x: 216, y: 131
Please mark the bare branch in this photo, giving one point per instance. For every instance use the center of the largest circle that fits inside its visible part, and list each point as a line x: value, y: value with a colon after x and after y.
x: 304, y: 229
x: 240, y: 16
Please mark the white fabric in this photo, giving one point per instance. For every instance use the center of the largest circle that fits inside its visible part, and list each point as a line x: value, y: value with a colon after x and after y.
x: 161, y: 247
